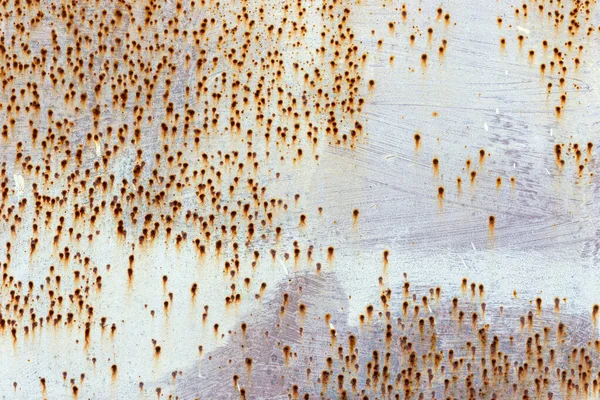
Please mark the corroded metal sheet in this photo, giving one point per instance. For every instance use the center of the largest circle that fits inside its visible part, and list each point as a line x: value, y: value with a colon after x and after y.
x: 272, y: 199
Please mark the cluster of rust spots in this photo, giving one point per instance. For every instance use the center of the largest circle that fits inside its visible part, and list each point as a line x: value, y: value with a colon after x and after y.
x: 160, y: 124
x: 557, y: 56
x: 579, y: 156
x: 169, y: 123
x: 416, y: 17
x: 421, y: 343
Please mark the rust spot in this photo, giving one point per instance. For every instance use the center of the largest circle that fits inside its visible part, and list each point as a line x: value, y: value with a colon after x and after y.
x: 436, y: 166
x: 417, y: 138
x: 355, y: 214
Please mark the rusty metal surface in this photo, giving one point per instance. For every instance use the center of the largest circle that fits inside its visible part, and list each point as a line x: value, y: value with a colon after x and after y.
x: 271, y: 199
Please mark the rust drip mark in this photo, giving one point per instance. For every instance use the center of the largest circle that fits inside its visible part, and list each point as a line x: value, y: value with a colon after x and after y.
x: 386, y: 255
x: 520, y: 39
x: 436, y: 166
x: 302, y: 222
x: 558, y: 111
x: 194, y: 290
x: 330, y: 254
x: 491, y: 225
x: 563, y: 100
x: 286, y: 355
x: 417, y: 139
x: 473, y: 175
x: 248, y: 362
x: 459, y: 185
x: 446, y: 20
x: 369, y: 309
x: 302, y: 311
x: 560, y: 333
x: 424, y: 61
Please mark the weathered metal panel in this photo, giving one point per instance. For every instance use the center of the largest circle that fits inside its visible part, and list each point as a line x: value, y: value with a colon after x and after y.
x: 271, y: 199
